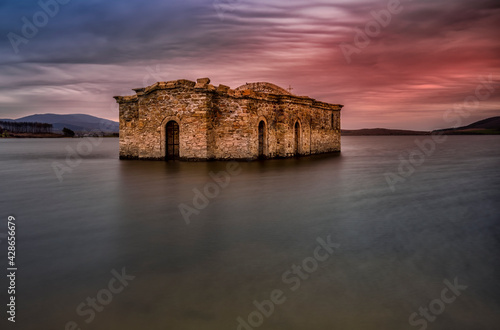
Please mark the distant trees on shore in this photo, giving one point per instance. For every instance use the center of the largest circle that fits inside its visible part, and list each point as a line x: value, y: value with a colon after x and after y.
x: 68, y: 132
x: 25, y: 127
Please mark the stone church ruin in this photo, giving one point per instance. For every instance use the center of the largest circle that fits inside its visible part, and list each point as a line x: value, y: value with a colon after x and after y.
x: 197, y: 121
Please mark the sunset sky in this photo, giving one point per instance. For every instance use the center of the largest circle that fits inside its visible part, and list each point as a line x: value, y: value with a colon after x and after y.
x: 426, y: 59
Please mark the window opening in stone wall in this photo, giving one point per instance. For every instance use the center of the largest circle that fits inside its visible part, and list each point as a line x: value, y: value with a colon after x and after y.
x: 297, y: 138
x: 172, y: 143
x: 262, y: 139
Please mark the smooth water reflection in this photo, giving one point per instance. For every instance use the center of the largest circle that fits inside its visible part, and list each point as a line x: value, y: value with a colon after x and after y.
x: 396, y: 248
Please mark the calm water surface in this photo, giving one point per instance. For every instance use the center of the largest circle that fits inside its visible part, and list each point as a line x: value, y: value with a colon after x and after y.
x: 396, y: 248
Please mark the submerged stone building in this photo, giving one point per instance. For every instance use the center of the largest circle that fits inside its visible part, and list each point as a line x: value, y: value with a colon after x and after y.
x: 197, y: 121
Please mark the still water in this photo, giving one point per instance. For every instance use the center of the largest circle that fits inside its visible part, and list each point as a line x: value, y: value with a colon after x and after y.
x: 393, y: 250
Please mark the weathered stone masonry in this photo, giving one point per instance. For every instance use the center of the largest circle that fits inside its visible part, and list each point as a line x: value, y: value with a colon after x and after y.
x: 197, y: 121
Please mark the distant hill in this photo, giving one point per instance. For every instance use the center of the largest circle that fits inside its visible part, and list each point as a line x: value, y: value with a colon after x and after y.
x: 381, y: 131
x: 77, y: 122
x: 485, y: 126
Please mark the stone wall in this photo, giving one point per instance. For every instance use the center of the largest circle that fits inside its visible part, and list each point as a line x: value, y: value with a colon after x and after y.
x: 221, y: 123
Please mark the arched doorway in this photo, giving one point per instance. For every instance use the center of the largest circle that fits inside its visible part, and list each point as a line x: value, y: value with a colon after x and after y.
x: 297, y: 138
x: 172, y: 143
x: 262, y: 139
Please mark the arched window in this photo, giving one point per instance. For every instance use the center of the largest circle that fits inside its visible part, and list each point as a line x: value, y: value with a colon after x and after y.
x: 172, y: 142
x: 262, y: 139
x: 297, y: 138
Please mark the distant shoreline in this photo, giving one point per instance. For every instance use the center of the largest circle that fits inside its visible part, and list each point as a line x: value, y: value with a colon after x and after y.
x: 32, y: 136
x: 45, y: 136
x: 381, y: 132
x: 397, y: 132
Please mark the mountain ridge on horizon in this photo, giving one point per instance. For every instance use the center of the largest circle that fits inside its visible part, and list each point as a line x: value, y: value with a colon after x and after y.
x: 76, y: 122
x: 489, y: 125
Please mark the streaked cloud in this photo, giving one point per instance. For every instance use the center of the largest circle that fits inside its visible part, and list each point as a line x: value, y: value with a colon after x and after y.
x: 428, y: 58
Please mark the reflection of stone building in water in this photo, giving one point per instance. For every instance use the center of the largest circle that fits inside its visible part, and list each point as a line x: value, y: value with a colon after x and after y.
x: 197, y: 121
